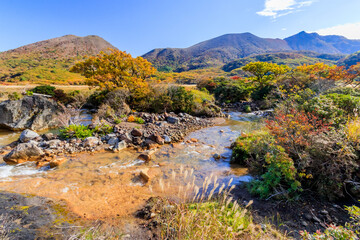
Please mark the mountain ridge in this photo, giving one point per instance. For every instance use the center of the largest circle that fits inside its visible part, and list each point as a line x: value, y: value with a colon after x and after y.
x: 229, y: 47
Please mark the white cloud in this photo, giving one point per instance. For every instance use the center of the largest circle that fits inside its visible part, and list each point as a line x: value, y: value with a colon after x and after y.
x: 278, y: 8
x: 349, y: 30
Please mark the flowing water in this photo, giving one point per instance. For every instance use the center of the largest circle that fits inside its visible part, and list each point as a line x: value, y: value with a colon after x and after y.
x: 108, y: 186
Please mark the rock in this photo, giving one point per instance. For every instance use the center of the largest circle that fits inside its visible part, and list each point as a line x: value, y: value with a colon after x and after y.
x: 144, y: 174
x: 193, y: 140
x: 304, y: 224
x: 119, y: 146
x: 167, y: 139
x: 157, y: 138
x: 91, y: 142
x: 136, y: 132
x: 216, y: 156
x: 30, y: 112
x: 24, y: 152
x: 113, y: 141
x: 145, y: 157
x: 126, y: 137
x: 172, y: 120
x: 57, y: 162
x: 28, y: 135
x: 324, y: 212
x: 53, y: 144
x: 137, y: 140
x: 49, y: 136
x: 109, y: 136
x: 150, y: 144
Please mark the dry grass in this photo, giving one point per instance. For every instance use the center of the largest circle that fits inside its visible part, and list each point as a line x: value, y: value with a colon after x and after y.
x: 207, y: 211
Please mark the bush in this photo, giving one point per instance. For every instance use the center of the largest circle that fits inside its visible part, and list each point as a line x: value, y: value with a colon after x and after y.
x: 334, y: 108
x: 276, y: 171
x: 233, y: 92
x: 14, y: 96
x: 103, y: 129
x: 301, y: 151
x: 44, y: 89
x: 76, y: 131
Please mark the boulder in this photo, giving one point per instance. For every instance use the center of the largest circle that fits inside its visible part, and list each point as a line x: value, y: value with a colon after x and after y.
x: 49, y: 136
x: 24, y: 152
x: 119, y: 146
x: 144, y: 156
x: 157, y: 138
x: 126, y: 137
x: 30, y: 112
x: 57, y: 162
x: 28, y: 135
x: 167, y: 139
x: 172, y: 120
x: 113, y: 141
x: 53, y: 144
x: 136, y: 132
x: 91, y: 142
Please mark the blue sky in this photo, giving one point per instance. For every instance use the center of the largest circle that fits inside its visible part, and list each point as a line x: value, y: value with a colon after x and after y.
x: 137, y: 26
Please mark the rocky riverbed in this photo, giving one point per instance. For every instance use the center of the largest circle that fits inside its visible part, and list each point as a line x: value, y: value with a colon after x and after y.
x: 50, y: 150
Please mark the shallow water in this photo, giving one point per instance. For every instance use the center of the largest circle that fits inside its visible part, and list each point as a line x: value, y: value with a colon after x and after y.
x: 107, y: 185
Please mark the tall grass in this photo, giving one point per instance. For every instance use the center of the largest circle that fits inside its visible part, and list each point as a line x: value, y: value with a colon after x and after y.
x: 206, y: 210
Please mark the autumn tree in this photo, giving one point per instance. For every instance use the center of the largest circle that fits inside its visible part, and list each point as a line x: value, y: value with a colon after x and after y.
x: 116, y: 69
x: 265, y: 73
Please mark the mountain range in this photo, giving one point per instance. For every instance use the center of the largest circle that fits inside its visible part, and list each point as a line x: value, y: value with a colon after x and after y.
x: 49, y: 61
x: 230, y: 47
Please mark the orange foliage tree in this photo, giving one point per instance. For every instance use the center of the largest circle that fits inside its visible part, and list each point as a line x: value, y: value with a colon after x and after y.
x: 116, y: 69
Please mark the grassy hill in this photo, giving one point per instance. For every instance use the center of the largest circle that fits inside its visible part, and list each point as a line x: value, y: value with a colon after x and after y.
x: 291, y: 59
x: 48, y: 61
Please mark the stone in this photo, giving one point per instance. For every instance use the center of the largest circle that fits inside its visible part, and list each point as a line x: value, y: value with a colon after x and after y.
x: 150, y: 144
x: 91, y: 142
x: 49, y: 136
x: 157, y: 138
x: 109, y: 136
x: 136, y: 132
x: 53, y: 144
x: 145, y: 157
x: 172, y: 120
x: 113, y: 141
x: 167, y: 139
x: 57, y: 162
x: 24, y: 152
x: 216, y: 156
x: 28, y: 135
x: 144, y: 174
x: 119, y: 146
x: 30, y: 112
x: 193, y: 140
x: 126, y: 137
x: 137, y: 140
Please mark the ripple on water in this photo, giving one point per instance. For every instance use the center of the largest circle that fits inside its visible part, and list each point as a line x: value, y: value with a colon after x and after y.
x: 26, y: 169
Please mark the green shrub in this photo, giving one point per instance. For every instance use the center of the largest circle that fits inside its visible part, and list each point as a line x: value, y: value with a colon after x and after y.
x: 335, y: 108
x: 139, y: 120
x: 276, y: 171
x: 44, y: 89
x: 233, y: 92
x: 103, y: 129
x: 14, y: 96
x: 76, y: 131
x: 247, y: 108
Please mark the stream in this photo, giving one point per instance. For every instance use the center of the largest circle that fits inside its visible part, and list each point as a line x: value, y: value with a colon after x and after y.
x: 107, y: 185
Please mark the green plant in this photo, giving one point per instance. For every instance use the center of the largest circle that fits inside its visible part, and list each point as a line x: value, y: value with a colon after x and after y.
x: 29, y: 93
x: 247, y: 108
x: 139, y: 120
x: 14, y: 96
x: 103, y: 129
x: 44, y: 89
x: 76, y: 131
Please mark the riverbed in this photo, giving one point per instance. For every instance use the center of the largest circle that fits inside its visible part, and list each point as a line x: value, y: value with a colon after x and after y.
x: 108, y: 186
